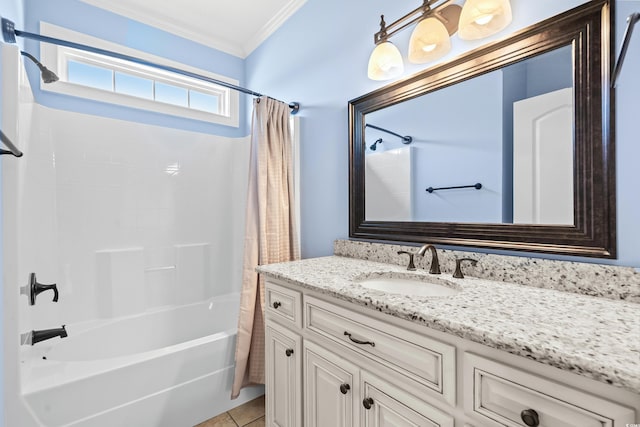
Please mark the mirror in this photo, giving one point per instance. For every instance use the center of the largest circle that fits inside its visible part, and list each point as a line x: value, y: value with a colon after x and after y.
x: 496, y: 148
x: 505, y: 147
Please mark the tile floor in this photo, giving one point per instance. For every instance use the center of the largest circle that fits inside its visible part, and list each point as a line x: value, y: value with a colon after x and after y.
x: 251, y: 414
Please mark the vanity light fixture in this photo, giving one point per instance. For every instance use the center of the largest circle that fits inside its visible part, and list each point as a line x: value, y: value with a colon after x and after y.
x: 437, y: 21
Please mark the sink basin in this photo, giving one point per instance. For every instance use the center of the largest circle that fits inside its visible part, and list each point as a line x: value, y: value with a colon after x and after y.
x: 419, y: 286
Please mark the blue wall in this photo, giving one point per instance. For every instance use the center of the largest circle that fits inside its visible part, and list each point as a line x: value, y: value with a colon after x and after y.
x: 81, y: 17
x: 319, y: 57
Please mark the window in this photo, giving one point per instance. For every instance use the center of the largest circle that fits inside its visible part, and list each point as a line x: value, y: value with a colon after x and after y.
x: 104, y: 78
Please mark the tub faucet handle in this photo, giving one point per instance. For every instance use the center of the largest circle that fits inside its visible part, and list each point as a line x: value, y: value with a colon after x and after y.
x: 35, y: 288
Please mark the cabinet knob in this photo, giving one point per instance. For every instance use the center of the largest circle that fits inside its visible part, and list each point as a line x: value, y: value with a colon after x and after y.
x: 288, y: 352
x: 344, y: 388
x: 367, y: 402
x: 276, y: 304
x: 530, y: 417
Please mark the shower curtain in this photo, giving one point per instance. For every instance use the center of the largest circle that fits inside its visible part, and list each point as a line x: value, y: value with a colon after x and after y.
x: 270, y: 234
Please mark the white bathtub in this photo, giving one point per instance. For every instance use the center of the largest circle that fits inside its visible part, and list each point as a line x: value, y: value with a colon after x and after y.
x: 171, y: 367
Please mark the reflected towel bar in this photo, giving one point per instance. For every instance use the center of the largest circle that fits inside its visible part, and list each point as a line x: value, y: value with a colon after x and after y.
x: 477, y: 186
x: 12, y: 148
x: 405, y: 139
x: 631, y: 22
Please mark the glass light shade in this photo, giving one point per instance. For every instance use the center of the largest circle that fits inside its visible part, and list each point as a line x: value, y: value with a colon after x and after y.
x: 385, y: 62
x: 482, y: 18
x: 429, y: 41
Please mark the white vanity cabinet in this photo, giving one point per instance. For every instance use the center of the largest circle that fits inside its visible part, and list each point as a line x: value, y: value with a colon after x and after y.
x: 330, y: 384
x: 350, y: 366
x: 339, y: 393
x: 502, y: 395
x: 283, y: 376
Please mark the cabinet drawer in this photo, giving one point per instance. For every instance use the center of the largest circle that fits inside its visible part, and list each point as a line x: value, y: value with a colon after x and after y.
x: 425, y: 360
x: 284, y: 304
x: 506, y: 395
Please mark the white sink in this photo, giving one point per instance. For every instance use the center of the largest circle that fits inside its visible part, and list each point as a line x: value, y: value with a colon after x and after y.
x: 420, y: 286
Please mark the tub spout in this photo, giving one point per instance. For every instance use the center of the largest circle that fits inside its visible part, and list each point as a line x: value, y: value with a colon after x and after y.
x: 45, y: 334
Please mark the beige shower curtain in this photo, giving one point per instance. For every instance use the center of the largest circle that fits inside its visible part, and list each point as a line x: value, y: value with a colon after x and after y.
x: 270, y: 234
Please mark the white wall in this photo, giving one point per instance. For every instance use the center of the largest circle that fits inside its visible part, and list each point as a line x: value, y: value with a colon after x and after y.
x: 95, y: 187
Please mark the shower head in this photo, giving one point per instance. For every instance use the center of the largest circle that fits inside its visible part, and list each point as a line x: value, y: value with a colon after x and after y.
x: 373, y: 146
x: 48, y: 76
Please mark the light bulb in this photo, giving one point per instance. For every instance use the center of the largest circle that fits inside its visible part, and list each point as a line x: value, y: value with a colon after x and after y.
x: 482, y: 18
x: 385, y: 62
x: 429, y: 41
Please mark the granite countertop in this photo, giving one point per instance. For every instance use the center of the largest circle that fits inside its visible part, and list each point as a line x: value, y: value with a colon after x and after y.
x: 590, y: 336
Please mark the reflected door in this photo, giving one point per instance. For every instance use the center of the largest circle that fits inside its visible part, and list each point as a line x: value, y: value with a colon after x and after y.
x: 543, y: 159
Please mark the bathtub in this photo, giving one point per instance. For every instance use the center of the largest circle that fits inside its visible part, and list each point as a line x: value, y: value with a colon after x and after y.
x: 171, y: 367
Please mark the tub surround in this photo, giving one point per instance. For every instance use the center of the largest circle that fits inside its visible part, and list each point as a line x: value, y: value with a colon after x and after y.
x: 592, y: 337
x: 607, y: 281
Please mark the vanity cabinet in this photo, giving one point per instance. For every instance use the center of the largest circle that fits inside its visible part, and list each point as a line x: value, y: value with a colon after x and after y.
x: 283, y: 377
x: 334, y: 364
x: 506, y: 396
x: 339, y: 393
x: 330, y: 384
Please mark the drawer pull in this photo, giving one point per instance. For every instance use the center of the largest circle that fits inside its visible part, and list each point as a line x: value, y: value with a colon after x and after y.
x: 344, y: 388
x: 371, y: 343
x: 367, y: 403
x: 530, y: 417
x: 276, y: 304
x: 288, y: 352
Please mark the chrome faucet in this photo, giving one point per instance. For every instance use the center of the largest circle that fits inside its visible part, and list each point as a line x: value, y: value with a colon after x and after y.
x: 435, y: 264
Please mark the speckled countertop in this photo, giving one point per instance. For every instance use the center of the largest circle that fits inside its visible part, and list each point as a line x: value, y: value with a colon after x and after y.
x: 590, y: 336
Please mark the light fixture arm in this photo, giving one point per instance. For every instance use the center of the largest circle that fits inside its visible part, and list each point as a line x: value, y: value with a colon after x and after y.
x: 386, y: 31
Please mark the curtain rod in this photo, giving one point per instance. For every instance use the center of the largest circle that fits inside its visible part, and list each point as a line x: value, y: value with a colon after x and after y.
x: 631, y: 22
x: 9, y: 32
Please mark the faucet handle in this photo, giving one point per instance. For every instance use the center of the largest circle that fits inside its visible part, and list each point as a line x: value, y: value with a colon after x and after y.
x: 35, y: 288
x: 411, y: 266
x: 458, y: 273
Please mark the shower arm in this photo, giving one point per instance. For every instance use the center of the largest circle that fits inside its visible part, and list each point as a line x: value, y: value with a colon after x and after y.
x: 9, y: 33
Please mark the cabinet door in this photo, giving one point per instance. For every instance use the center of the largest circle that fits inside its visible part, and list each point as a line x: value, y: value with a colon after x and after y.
x: 330, y: 384
x: 385, y: 405
x: 283, y: 377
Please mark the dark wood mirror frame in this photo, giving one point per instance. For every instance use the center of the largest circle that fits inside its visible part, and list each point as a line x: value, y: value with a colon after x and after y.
x: 588, y: 29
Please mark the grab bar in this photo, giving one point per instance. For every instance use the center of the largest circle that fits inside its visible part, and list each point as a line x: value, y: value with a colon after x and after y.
x: 12, y: 148
x: 477, y: 186
x: 631, y: 22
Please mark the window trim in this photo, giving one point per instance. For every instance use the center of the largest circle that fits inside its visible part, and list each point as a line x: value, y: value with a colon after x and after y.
x: 55, y: 57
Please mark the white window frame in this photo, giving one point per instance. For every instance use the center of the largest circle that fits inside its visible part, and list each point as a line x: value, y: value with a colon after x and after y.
x: 56, y: 58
